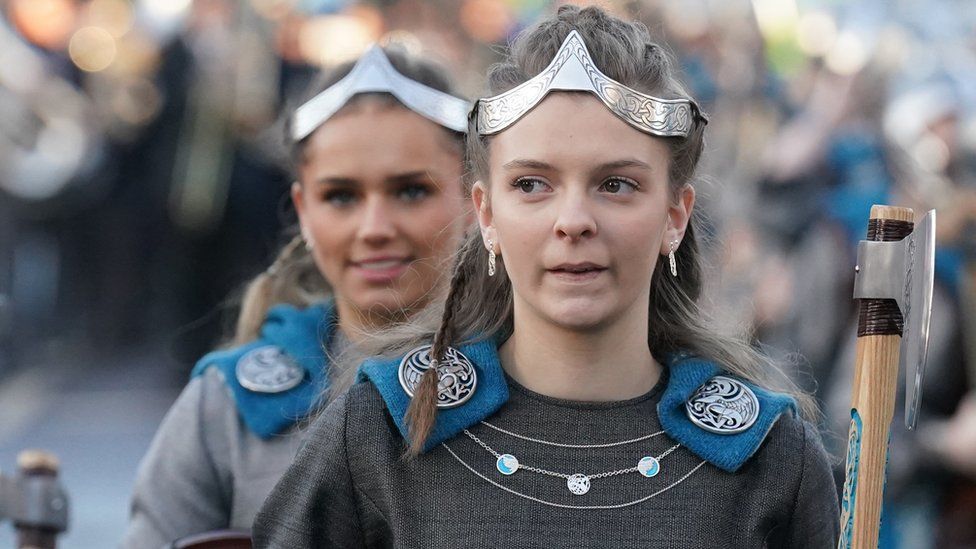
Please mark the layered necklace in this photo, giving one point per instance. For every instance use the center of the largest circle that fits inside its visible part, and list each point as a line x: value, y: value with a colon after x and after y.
x: 577, y: 483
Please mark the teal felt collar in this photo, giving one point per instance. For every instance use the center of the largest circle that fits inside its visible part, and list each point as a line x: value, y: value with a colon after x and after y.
x: 685, y: 376
x: 301, y: 335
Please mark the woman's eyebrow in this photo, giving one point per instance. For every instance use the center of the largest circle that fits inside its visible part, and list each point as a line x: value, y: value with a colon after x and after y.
x: 337, y: 181
x: 527, y: 163
x: 612, y: 165
x: 623, y: 163
x: 409, y: 177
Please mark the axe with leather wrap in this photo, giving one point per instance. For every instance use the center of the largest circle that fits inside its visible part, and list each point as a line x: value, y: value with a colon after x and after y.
x: 893, y: 282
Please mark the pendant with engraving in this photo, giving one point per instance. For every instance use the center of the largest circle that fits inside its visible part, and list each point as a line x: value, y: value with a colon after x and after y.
x: 507, y: 464
x: 724, y: 406
x: 578, y: 484
x: 648, y: 466
x: 457, y: 378
x: 268, y: 370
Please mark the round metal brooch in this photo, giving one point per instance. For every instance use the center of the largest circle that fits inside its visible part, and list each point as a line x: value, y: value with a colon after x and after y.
x: 457, y: 378
x: 724, y: 406
x: 268, y: 370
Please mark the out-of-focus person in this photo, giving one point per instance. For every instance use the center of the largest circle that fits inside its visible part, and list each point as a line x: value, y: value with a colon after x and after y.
x: 377, y: 149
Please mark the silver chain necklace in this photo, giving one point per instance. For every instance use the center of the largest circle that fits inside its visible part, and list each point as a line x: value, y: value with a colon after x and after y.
x: 576, y: 446
x: 578, y: 483
x: 566, y: 506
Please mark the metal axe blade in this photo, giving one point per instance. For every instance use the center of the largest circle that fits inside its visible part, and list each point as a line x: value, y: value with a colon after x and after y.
x: 905, y: 272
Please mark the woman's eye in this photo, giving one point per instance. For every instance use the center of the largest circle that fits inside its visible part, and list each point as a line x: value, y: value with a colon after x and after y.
x: 619, y: 185
x: 413, y: 193
x: 530, y: 185
x: 339, y: 198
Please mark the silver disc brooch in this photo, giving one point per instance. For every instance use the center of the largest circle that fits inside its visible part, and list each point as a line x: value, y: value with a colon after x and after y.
x: 457, y: 378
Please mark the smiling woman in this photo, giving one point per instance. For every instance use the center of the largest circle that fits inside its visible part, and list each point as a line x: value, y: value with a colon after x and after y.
x: 378, y: 153
x: 570, y: 393
x: 374, y: 207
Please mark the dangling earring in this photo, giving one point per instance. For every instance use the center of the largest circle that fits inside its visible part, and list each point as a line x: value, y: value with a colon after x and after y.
x: 674, y: 264
x: 491, y: 257
x: 308, y: 241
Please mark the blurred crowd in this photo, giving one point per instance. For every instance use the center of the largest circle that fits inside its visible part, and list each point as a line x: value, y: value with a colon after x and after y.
x: 142, y: 178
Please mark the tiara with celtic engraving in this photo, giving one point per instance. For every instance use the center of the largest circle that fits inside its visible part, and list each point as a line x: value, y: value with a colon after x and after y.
x: 374, y: 73
x: 572, y: 69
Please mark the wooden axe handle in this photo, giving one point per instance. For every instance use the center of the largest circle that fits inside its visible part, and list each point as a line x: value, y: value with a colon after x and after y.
x: 873, y: 397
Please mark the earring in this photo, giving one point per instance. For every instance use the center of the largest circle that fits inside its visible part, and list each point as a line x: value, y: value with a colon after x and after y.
x: 674, y: 264
x: 307, y: 240
x: 491, y: 257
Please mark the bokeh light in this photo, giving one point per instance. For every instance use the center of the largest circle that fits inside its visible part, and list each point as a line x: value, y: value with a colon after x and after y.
x: 486, y: 20
x: 46, y: 23
x: 92, y: 49
x: 115, y: 16
x: 776, y: 18
x: 330, y: 39
x: 848, y: 54
x: 136, y: 101
x: 816, y: 33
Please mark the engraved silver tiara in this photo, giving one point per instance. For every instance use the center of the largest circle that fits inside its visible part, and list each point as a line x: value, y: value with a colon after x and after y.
x: 374, y: 73
x: 573, y: 69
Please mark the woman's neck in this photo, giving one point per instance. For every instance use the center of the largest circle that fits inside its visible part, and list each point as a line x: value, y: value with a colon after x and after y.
x: 613, y: 363
x: 356, y: 325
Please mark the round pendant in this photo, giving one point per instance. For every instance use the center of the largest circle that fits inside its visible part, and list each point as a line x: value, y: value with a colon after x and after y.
x: 648, y: 466
x: 507, y: 464
x: 457, y: 377
x: 578, y: 484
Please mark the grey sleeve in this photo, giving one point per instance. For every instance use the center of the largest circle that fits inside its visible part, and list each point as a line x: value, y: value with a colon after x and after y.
x: 314, y: 504
x: 815, y: 521
x: 178, y: 489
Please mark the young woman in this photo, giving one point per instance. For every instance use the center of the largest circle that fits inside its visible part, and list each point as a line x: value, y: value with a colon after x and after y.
x: 378, y: 149
x: 578, y: 398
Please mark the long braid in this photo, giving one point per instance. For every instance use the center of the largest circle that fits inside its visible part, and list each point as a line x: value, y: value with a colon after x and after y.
x: 422, y: 413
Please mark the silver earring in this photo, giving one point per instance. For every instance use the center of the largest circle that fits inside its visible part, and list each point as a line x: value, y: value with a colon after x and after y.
x: 308, y: 241
x: 674, y: 264
x: 491, y: 257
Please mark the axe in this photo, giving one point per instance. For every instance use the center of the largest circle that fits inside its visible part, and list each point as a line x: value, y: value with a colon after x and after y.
x: 893, y: 280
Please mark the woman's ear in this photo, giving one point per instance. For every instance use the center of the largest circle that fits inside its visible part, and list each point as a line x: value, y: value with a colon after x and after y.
x: 298, y: 199
x: 679, y: 214
x: 482, y: 208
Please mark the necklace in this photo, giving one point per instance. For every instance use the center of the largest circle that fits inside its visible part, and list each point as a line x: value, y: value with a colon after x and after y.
x: 577, y: 483
x: 563, y: 505
x: 577, y: 446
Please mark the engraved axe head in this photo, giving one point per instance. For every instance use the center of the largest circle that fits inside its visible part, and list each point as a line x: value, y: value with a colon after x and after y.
x: 905, y: 272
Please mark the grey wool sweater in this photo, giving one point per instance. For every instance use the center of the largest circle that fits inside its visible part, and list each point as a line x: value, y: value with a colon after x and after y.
x: 350, y: 485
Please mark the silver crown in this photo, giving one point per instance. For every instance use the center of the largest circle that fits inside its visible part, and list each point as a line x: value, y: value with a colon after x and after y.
x: 374, y: 73
x: 572, y: 69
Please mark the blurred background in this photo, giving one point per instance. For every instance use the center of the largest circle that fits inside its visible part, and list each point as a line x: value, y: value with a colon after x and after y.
x: 142, y: 182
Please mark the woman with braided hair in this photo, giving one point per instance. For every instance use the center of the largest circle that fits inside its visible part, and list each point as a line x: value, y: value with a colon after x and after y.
x: 570, y: 392
x: 378, y: 150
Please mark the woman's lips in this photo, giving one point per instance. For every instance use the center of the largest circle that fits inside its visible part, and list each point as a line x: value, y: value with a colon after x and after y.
x: 582, y: 272
x: 381, y: 270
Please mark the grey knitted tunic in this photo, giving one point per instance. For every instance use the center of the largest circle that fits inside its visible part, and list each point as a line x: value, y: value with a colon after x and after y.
x: 351, y: 487
x: 204, y: 470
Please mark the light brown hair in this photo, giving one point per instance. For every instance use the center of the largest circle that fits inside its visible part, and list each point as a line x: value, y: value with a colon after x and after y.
x: 481, y: 306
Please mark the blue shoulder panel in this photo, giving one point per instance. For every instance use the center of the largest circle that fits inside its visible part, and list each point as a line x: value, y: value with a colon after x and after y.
x: 301, y: 335
x: 727, y: 452
x: 490, y: 394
